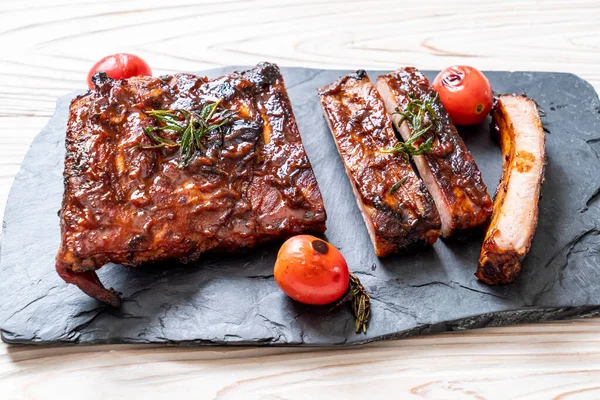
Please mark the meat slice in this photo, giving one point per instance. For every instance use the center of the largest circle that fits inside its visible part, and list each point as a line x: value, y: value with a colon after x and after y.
x: 251, y: 181
x: 508, y: 239
x: 395, y: 205
x: 448, y: 170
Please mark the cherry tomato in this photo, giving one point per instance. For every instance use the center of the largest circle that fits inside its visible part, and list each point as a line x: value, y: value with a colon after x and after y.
x: 311, y: 271
x: 120, y: 66
x: 466, y: 94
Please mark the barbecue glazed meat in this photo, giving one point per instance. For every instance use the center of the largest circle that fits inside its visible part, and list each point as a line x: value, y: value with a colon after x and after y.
x: 508, y: 239
x: 395, y: 205
x: 251, y: 182
x: 448, y: 170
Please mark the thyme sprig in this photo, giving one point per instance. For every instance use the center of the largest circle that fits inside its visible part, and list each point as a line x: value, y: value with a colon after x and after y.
x: 191, y: 126
x: 414, y: 114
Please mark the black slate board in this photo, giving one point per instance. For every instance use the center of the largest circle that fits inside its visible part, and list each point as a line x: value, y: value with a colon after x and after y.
x: 234, y: 300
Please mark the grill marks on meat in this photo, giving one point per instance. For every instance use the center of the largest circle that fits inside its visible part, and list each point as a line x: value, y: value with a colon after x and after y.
x: 293, y: 176
x: 251, y: 183
x: 448, y: 170
x: 362, y: 128
x: 516, y: 120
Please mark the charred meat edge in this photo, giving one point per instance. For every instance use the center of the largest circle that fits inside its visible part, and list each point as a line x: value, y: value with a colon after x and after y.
x: 361, y: 129
x: 448, y: 170
x: 508, y: 239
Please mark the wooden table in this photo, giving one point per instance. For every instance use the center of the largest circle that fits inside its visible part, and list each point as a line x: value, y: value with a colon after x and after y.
x: 47, y: 48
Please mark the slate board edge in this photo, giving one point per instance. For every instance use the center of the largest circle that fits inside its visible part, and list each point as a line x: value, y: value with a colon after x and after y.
x: 501, y: 318
x: 496, y: 319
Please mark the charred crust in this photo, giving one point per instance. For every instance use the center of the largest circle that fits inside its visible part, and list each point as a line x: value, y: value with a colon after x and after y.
x: 136, y: 243
x: 336, y: 86
x: 225, y: 90
x: 270, y: 71
x: 100, y: 79
x: 359, y: 74
x: 263, y: 74
x: 499, y: 268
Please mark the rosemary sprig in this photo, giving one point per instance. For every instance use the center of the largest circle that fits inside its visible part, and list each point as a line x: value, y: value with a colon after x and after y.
x: 191, y: 126
x: 361, y: 304
x: 414, y: 114
x: 360, y: 301
x: 397, y: 185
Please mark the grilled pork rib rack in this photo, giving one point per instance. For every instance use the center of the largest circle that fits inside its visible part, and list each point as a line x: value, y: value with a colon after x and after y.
x: 251, y: 182
x: 129, y: 198
x: 448, y: 169
x: 395, y: 205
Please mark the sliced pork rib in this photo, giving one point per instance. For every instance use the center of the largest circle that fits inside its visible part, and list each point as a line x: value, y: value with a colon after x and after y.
x: 516, y: 120
x: 448, y: 170
x: 251, y: 182
x: 395, y: 205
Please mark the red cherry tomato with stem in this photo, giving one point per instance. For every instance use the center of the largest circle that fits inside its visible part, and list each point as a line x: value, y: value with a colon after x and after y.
x: 120, y: 66
x: 311, y: 271
x: 466, y: 94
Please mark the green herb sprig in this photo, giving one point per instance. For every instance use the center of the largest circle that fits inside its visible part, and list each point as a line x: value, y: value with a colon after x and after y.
x: 360, y: 302
x: 192, y: 126
x: 414, y: 114
x: 361, y: 305
x: 397, y: 185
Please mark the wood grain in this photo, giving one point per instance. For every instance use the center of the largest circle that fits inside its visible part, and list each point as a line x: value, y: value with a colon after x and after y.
x: 558, y: 360
x: 47, y: 48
